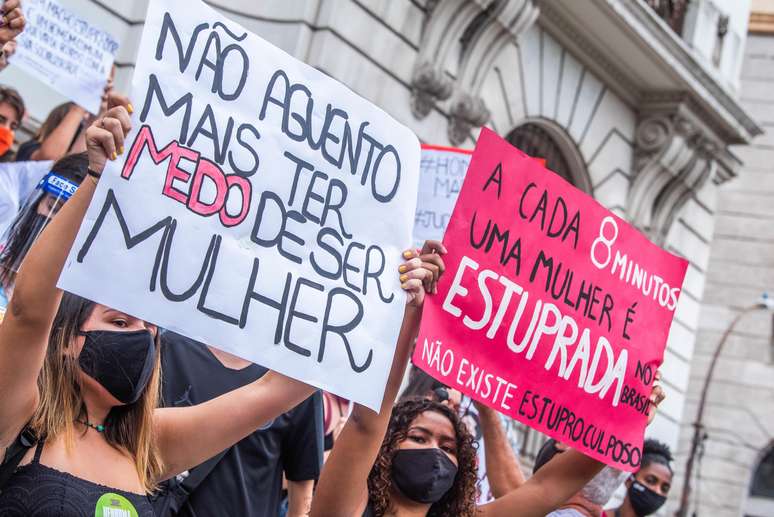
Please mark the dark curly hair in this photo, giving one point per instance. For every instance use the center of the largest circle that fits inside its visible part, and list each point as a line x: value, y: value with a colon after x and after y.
x: 460, y: 500
x: 654, y: 451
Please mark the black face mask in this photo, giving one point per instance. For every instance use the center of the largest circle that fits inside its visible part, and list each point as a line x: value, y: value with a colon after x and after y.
x: 423, y: 475
x: 644, y: 500
x: 122, y: 362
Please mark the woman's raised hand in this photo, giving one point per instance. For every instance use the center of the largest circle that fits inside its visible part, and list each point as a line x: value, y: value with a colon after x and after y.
x: 657, y: 396
x: 11, y: 21
x: 420, y: 273
x: 105, y: 137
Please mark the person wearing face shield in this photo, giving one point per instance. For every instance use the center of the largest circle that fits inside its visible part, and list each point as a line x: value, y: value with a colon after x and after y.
x: 51, y: 193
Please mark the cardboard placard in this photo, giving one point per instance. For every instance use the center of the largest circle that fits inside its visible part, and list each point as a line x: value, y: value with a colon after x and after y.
x: 553, y: 310
x: 441, y: 173
x: 66, y: 52
x: 260, y: 207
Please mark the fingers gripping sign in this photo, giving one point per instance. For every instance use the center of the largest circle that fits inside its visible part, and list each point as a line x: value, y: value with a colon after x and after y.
x: 12, y: 21
x: 431, y: 260
x: 657, y: 396
x: 105, y: 138
x: 421, y: 271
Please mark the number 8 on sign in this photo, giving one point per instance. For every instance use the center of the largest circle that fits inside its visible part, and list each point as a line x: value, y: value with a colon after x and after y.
x: 607, y: 243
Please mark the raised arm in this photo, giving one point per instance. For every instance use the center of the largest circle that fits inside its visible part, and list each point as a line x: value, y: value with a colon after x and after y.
x: 343, y: 486
x: 502, y: 467
x: 25, y: 330
x: 557, y: 480
x: 190, y: 436
x: 300, y: 498
x: 57, y: 143
x: 549, y: 488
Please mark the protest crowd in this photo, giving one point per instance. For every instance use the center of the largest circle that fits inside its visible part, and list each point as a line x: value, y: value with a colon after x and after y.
x: 105, y: 412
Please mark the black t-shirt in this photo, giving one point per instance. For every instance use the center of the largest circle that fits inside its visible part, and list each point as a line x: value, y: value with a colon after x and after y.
x: 247, y: 481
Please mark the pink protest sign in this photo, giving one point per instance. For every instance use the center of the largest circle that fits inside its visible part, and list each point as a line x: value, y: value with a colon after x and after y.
x: 553, y: 310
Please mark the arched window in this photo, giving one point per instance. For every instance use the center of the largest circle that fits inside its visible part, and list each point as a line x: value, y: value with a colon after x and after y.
x: 761, y: 497
x: 544, y: 139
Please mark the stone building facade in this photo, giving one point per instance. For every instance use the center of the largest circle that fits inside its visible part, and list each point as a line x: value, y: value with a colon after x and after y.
x: 734, y: 474
x: 634, y: 101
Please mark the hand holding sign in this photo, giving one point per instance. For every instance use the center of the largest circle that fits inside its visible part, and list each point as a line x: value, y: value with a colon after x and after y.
x: 420, y: 273
x: 105, y: 138
x: 12, y: 22
x: 423, y: 269
x: 657, y: 396
x: 558, y: 311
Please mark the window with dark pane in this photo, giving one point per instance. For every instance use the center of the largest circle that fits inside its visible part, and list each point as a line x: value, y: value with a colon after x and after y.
x: 538, y: 143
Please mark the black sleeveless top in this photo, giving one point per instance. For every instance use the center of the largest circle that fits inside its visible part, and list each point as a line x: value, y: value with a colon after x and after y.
x: 36, y: 490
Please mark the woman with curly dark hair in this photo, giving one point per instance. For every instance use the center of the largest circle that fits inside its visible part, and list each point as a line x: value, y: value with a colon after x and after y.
x: 408, y: 433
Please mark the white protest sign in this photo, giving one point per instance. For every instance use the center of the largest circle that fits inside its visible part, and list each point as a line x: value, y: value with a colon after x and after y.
x: 441, y: 173
x: 260, y: 207
x: 66, y: 52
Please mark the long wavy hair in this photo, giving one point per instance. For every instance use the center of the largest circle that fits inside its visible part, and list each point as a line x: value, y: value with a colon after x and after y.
x: 460, y: 500
x: 128, y: 428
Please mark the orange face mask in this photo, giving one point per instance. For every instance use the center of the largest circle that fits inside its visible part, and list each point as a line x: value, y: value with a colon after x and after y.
x: 6, y: 139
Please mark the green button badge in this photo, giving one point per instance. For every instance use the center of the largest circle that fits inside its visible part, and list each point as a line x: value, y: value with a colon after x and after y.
x: 114, y: 505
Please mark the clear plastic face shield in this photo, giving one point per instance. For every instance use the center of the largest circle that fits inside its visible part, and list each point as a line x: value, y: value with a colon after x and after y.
x: 44, y: 202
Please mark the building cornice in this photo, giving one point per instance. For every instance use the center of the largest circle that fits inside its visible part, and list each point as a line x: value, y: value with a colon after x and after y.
x: 571, y: 37
x: 661, y: 47
x: 678, y: 56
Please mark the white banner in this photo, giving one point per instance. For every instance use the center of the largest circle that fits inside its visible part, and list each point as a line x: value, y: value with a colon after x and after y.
x: 260, y: 207
x: 65, y: 52
x: 441, y: 173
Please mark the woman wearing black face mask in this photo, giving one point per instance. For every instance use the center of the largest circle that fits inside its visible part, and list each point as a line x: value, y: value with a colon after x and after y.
x: 647, y: 490
x: 82, y: 380
x: 420, y: 461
